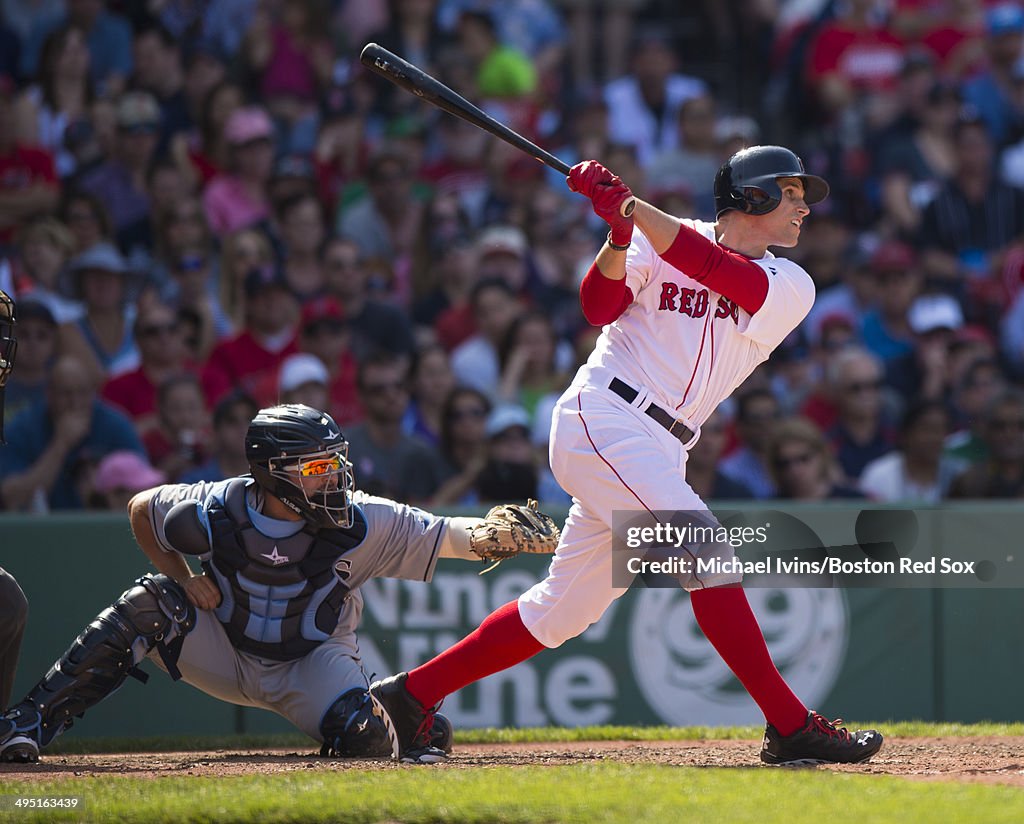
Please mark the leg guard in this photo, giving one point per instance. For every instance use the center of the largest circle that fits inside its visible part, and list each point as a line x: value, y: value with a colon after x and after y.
x: 153, y: 614
x: 442, y: 734
x: 351, y: 730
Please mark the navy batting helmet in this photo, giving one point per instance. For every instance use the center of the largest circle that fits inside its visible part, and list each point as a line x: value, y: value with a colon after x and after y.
x: 748, y: 183
x: 298, y: 454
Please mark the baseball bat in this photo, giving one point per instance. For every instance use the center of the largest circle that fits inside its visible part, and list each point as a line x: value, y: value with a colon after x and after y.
x: 402, y: 73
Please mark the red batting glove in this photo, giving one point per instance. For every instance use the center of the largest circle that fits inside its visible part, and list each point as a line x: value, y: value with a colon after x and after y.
x: 607, y: 193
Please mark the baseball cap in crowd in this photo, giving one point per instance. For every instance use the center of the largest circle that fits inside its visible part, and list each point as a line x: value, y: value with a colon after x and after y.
x: 30, y: 308
x: 325, y: 309
x: 299, y: 369
x: 138, y: 112
x: 732, y: 127
x: 1005, y: 18
x: 893, y: 254
x: 931, y: 312
x: 248, y: 124
x: 103, y: 256
x: 262, y: 278
x: 506, y: 417
x: 495, y: 240
x: 126, y: 470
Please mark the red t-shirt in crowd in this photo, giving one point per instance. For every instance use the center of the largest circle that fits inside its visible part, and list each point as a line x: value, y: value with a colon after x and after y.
x: 869, y: 59
x: 135, y: 393
x: 243, y: 363
x: 23, y: 168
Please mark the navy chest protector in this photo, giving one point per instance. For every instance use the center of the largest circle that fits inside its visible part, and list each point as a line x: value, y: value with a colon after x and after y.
x: 281, y: 596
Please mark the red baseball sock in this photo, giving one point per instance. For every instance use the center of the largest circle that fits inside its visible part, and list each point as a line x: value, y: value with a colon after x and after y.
x: 729, y: 624
x: 501, y: 641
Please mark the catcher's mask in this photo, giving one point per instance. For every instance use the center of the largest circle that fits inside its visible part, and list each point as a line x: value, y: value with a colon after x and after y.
x: 298, y: 454
x: 748, y: 181
x: 8, y: 349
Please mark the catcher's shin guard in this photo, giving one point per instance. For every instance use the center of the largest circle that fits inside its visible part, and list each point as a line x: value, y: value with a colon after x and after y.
x: 153, y: 614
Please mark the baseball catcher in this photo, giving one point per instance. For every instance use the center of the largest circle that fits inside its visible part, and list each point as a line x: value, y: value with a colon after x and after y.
x: 270, y: 621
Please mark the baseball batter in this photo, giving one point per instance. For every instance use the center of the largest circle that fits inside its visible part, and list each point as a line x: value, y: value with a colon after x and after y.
x: 271, y: 621
x: 689, y: 309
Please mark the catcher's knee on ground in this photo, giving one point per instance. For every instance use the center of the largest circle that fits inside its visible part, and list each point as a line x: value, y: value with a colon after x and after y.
x: 349, y: 729
x: 153, y: 614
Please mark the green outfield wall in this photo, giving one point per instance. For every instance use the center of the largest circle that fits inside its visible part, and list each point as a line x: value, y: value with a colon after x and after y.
x: 952, y: 654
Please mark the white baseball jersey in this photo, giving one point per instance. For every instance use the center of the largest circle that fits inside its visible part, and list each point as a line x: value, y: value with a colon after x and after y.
x: 688, y: 346
x: 684, y: 347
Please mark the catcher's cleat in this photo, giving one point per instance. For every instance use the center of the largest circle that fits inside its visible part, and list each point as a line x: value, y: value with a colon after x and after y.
x: 820, y: 741
x: 21, y: 749
x: 19, y: 730
x: 410, y: 728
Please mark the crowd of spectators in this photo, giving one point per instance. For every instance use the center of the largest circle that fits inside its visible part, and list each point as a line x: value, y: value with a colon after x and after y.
x: 207, y: 207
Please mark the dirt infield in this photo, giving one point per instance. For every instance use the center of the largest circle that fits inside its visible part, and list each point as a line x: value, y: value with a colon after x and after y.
x: 995, y: 760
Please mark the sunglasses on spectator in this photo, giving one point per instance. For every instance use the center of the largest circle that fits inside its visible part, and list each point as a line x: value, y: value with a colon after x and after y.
x: 158, y: 329
x: 787, y: 462
x: 1007, y: 424
x: 469, y: 412
x: 317, y: 328
x: 340, y: 263
x: 864, y: 386
x: 393, y: 386
x: 191, y: 263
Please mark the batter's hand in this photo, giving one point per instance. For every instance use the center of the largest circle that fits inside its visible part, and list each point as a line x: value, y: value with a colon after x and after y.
x: 202, y: 592
x: 608, y: 195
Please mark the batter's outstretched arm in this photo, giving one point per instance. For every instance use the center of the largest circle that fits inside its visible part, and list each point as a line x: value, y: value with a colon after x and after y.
x: 660, y: 228
x: 717, y: 267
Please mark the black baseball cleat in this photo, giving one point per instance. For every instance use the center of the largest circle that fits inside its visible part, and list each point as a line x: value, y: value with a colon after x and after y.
x: 18, y: 736
x: 414, y: 731
x: 819, y: 742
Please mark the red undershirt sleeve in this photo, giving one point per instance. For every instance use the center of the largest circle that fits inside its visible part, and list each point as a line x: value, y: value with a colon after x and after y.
x: 603, y: 299
x: 722, y: 270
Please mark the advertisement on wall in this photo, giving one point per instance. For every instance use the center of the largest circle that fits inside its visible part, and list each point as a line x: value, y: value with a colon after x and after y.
x: 645, y: 662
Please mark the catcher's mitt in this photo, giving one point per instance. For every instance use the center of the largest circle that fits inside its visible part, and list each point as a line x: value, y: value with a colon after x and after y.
x: 509, y: 529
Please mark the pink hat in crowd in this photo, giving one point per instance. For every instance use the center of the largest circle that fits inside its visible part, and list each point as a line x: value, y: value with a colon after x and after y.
x: 247, y: 124
x: 126, y: 470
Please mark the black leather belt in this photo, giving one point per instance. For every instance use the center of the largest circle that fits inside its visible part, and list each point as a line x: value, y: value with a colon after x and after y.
x: 675, y: 427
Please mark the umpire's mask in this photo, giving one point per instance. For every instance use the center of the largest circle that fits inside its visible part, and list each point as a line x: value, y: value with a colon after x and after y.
x: 8, y: 348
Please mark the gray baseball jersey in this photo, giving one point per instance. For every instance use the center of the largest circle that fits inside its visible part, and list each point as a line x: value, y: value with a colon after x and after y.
x: 273, y: 642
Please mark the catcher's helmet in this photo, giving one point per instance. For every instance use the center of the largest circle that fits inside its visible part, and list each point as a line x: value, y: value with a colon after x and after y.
x: 287, y: 444
x: 8, y: 348
x: 747, y: 180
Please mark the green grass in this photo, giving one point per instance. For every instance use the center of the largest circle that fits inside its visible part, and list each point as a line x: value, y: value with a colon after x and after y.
x: 897, y: 729
x: 605, y: 792
x: 595, y: 792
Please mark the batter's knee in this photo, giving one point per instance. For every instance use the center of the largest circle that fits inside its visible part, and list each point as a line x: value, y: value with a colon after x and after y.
x: 554, y: 623
x: 349, y: 729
